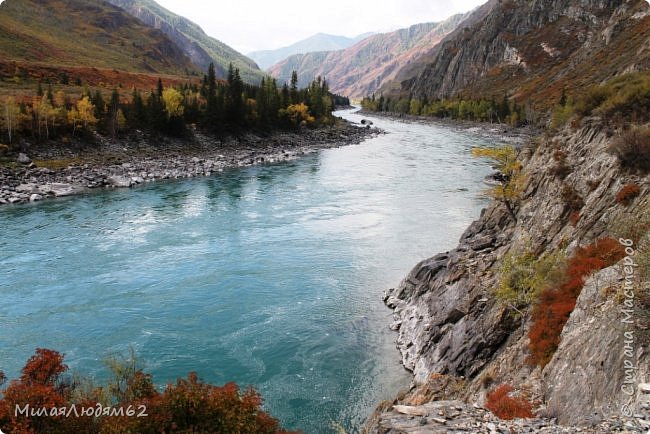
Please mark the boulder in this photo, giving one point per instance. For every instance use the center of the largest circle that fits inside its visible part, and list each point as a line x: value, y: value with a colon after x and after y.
x: 59, y: 189
x: 23, y: 159
x: 27, y: 188
x: 119, y: 181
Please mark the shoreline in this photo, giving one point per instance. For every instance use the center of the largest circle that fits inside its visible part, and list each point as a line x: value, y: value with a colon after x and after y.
x: 139, y: 159
x: 508, y: 133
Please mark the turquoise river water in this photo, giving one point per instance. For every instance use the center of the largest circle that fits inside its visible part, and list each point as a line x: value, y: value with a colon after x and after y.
x: 270, y: 276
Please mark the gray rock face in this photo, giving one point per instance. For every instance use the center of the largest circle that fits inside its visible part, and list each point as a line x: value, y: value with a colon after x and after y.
x: 450, y: 322
x: 23, y: 159
x: 595, y: 358
x: 505, y: 43
x: 439, y: 306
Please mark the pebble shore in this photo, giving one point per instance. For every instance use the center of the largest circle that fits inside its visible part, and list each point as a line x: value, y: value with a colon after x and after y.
x: 442, y: 417
x: 135, y: 161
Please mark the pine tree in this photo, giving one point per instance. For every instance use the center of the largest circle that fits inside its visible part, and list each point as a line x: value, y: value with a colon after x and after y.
x: 213, y: 107
x: 234, y: 103
x: 155, y: 112
x: 138, y: 115
x: 98, y: 102
x: 113, y: 108
x: 293, y: 90
x: 284, y: 96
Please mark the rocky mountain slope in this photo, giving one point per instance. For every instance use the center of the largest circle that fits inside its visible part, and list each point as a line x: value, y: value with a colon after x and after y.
x: 317, y: 42
x: 532, y: 50
x: 458, y: 331
x: 461, y: 340
x: 199, y: 47
x: 84, y: 33
x: 366, y: 66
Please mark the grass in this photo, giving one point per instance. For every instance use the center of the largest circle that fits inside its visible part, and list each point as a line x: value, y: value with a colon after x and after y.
x: 81, y: 33
x: 61, y: 163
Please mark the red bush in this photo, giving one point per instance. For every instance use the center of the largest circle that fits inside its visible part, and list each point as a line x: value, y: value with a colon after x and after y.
x: 39, y: 387
x: 188, y: 406
x: 574, y: 218
x: 628, y: 193
x: 506, y: 407
x: 555, y: 305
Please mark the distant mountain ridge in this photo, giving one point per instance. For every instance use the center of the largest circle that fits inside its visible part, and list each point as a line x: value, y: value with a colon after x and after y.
x: 201, y: 48
x: 371, y: 63
x: 317, y: 42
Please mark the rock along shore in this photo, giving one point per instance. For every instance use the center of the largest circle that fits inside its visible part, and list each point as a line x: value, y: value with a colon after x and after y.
x: 45, y: 172
x: 461, y: 341
x: 505, y: 132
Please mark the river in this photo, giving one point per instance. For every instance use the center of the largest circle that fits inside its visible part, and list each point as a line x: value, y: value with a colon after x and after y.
x: 268, y: 275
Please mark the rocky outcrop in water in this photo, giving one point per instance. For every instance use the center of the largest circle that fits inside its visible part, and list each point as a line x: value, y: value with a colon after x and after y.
x: 451, y: 324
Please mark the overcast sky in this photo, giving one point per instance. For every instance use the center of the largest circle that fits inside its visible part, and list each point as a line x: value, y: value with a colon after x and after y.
x: 249, y: 25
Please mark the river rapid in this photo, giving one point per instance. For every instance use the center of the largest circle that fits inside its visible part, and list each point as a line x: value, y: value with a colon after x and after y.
x: 270, y: 276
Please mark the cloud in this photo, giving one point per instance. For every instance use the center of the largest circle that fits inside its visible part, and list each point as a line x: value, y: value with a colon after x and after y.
x: 253, y: 24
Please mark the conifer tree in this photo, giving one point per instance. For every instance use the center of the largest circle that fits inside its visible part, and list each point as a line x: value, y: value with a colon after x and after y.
x: 234, y: 102
x: 293, y: 90
x: 113, y: 109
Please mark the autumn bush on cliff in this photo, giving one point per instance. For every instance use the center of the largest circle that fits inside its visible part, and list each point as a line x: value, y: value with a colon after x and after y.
x: 189, y: 406
x: 555, y: 305
x: 504, y: 406
x: 628, y: 193
x: 633, y: 149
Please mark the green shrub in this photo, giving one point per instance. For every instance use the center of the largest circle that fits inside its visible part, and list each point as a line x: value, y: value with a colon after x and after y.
x: 524, y: 275
x: 624, y: 98
x: 561, y: 115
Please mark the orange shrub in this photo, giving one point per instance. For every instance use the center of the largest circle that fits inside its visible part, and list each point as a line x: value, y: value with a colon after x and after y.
x: 552, y: 311
x: 628, y: 193
x: 189, y: 406
x: 574, y: 218
x: 506, y: 407
x: 39, y: 387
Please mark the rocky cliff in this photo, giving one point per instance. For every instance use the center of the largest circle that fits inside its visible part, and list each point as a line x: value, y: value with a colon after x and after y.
x: 369, y: 64
x: 460, y: 340
x: 532, y: 50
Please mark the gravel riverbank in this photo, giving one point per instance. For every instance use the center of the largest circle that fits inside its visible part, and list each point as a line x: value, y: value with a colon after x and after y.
x: 505, y: 132
x: 58, y: 170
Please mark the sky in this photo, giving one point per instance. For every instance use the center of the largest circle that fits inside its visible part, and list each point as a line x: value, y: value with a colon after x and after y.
x: 249, y: 25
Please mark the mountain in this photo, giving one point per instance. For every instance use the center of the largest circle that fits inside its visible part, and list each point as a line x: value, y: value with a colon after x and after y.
x: 199, y: 47
x: 318, y: 42
x: 533, y: 51
x: 84, y: 33
x: 369, y: 64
